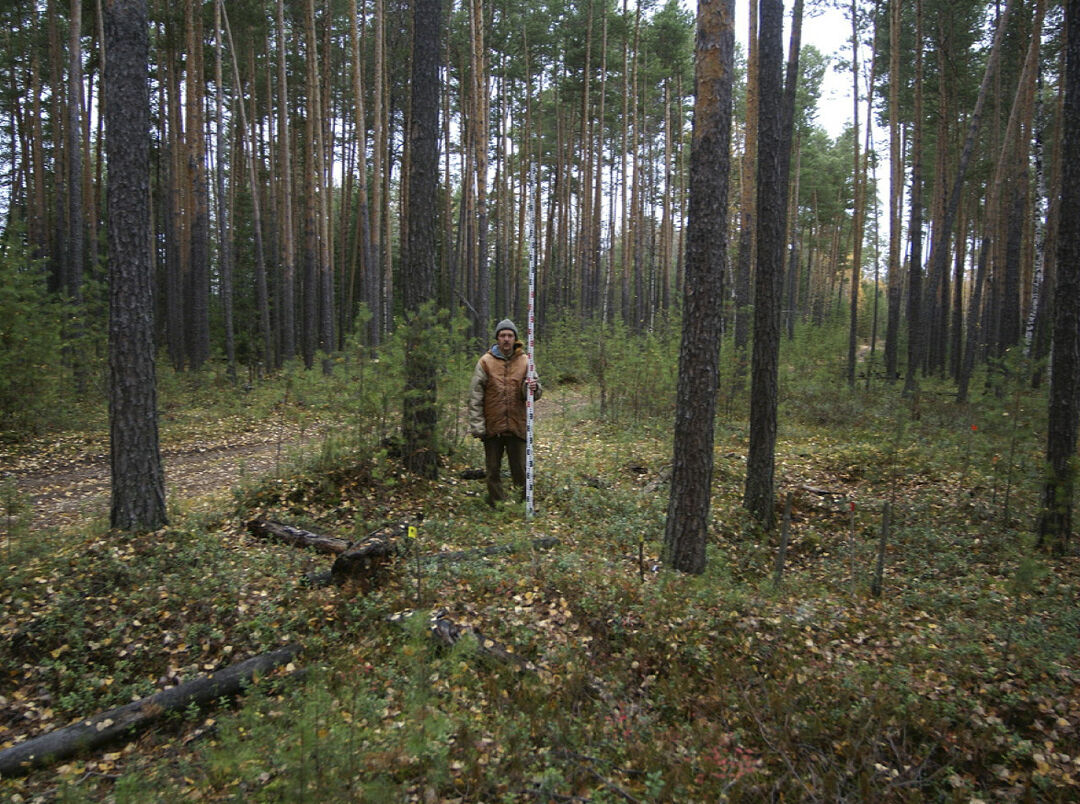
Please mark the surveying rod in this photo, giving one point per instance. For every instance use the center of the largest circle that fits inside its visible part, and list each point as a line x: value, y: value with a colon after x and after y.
x: 531, y: 375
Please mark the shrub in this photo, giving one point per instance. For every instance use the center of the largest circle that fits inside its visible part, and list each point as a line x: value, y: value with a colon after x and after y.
x: 30, y: 351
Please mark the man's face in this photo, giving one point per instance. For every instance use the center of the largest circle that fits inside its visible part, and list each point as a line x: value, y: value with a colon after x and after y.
x: 505, y: 338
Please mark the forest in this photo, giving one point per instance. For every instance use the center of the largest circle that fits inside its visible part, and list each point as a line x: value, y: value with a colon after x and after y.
x: 805, y: 456
x: 279, y: 154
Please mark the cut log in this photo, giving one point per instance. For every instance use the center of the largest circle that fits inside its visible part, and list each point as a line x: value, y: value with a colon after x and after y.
x: 108, y: 726
x: 449, y: 556
x: 366, y: 561
x: 297, y: 537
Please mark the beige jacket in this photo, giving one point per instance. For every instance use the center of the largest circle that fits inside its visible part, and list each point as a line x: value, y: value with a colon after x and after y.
x: 498, y: 392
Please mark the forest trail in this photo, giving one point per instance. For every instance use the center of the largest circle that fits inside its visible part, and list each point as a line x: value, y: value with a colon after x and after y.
x: 60, y: 493
x: 60, y: 484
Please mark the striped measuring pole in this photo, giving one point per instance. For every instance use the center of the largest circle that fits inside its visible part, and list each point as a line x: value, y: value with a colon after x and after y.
x: 529, y: 462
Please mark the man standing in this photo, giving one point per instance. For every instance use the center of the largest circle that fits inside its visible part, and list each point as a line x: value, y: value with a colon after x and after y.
x: 497, y: 397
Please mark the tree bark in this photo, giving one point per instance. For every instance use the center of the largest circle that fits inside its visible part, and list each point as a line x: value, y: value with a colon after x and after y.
x: 1055, y: 520
x: 225, y: 251
x: 419, y: 411
x: 916, y: 343
x: 76, y: 227
x: 138, y: 481
x: 297, y: 537
x: 197, y: 291
x: 859, y: 182
x: 896, y: 189
x: 759, y: 495
x: 287, y: 314
x: 686, y: 531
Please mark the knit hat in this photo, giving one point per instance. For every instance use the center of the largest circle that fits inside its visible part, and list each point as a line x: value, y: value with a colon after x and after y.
x: 506, y: 323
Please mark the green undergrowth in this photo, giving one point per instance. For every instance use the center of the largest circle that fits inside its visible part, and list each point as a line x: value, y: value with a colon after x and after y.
x: 957, y: 683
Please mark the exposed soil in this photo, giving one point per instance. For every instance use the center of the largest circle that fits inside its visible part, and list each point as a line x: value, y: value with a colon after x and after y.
x: 58, y: 495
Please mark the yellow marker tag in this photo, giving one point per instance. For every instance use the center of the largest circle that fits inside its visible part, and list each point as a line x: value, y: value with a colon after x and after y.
x: 412, y: 531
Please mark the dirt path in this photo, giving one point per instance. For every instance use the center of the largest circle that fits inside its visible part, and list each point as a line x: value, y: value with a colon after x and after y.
x: 72, y: 485
x: 60, y: 495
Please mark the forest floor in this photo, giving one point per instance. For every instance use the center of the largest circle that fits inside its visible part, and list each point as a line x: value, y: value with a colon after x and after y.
x: 958, y: 683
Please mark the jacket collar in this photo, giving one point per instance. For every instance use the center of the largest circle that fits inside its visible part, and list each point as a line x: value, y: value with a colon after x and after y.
x: 497, y: 352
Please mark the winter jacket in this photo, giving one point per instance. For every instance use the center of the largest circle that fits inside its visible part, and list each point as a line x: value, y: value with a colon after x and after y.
x: 498, y: 392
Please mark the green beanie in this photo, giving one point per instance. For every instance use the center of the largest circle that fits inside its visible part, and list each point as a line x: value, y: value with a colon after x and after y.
x: 506, y: 323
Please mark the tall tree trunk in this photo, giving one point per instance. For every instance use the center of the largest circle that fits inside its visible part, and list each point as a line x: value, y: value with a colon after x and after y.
x: 687, y: 526
x: 479, y: 94
x: 309, y: 324
x: 1039, y: 211
x: 58, y: 279
x: 974, y: 334
x: 771, y: 210
x: 248, y: 136
x: 419, y: 411
x: 225, y: 252
x: 381, y: 177
x: 76, y: 225
x: 37, y: 225
x: 858, y: 182
x: 747, y: 215
x: 596, y: 257
x: 896, y: 189
x: 368, y: 265
x: 324, y: 269
x: 176, y: 242
x: 1055, y: 519
x: 138, y: 481
x: 287, y: 314
x: 916, y: 342
x: 197, y: 292
x: 1016, y: 157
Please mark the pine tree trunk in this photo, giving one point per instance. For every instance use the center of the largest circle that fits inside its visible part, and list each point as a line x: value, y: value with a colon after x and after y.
x: 419, y: 411
x: 174, y: 219
x: 759, y: 495
x: 287, y: 315
x: 138, y: 481
x: 1055, y: 520
x: 858, y: 182
x: 896, y: 189
x: 368, y: 266
x: 225, y: 251
x: 76, y: 224
x: 197, y: 291
x: 686, y: 531
x: 916, y: 349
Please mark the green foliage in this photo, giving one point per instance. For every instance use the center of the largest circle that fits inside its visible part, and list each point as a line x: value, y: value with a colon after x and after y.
x: 634, y: 376
x: 637, y: 681
x: 31, y: 375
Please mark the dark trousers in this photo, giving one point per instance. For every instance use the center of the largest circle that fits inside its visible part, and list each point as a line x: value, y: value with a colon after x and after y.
x: 514, y: 447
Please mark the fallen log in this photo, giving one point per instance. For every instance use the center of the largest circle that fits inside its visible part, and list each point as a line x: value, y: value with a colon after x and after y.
x: 297, y: 537
x: 367, y: 559
x: 108, y: 726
